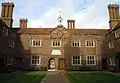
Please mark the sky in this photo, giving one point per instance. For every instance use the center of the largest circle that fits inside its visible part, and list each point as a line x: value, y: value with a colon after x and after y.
x: 88, y: 14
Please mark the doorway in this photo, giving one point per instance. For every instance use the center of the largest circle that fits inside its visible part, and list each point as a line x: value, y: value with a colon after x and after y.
x: 61, y: 63
x: 118, y: 62
x: 2, y: 65
x: 51, y: 63
x: 104, y: 63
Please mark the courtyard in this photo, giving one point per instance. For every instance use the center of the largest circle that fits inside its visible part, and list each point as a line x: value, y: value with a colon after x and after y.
x: 92, y: 77
x: 72, y: 77
x: 22, y: 77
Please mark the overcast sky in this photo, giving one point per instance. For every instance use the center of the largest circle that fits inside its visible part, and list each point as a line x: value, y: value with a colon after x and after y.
x: 44, y: 13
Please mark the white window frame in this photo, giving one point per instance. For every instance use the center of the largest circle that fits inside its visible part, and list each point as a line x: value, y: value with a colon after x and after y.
x: 56, y: 42
x: 36, y: 40
x: 111, y: 45
x: 11, y: 43
x: 35, y: 59
x: 87, y: 42
x: 10, y: 61
x: 112, y: 61
x: 91, y: 59
x: 74, y: 43
x: 72, y: 58
x: 5, y: 31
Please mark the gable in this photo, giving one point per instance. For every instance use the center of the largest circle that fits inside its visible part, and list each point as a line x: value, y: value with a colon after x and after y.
x: 60, y: 33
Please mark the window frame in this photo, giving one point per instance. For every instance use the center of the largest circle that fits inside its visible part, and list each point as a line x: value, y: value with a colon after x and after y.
x: 90, y: 59
x: 92, y: 42
x: 73, y: 42
x: 111, y: 61
x: 11, y: 43
x: 54, y: 43
x: 35, y: 59
x: 5, y: 31
x: 111, y: 44
x: 36, y: 41
x: 10, y: 62
x: 76, y: 60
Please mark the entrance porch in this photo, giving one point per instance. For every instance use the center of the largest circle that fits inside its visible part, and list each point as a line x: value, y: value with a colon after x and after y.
x: 56, y: 63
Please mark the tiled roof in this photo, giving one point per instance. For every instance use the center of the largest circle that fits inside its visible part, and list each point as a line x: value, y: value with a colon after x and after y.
x: 36, y: 30
x: 91, y: 31
x: 47, y: 31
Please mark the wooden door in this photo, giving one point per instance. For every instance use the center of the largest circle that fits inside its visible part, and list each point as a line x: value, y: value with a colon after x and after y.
x: 61, y: 63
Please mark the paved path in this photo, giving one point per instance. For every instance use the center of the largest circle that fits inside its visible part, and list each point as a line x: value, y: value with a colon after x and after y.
x: 55, y: 77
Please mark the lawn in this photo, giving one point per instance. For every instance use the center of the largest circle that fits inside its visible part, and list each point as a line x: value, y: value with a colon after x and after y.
x: 22, y: 77
x: 92, y: 77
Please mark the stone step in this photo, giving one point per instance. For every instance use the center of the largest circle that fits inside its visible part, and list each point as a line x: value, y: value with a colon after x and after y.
x: 52, y: 70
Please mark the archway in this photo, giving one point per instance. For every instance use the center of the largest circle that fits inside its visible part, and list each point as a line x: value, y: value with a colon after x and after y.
x: 51, y: 63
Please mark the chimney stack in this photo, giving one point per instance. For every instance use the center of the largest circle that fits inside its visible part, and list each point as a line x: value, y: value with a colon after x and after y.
x: 7, y: 13
x: 71, y: 24
x: 113, y: 15
x: 23, y: 23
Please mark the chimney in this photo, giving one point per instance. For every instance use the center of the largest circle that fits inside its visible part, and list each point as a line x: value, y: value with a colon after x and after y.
x: 113, y: 15
x: 23, y: 23
x: 71, y: 24
x: 7, y: 13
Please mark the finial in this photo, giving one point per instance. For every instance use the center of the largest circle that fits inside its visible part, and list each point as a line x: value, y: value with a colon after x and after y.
x: 60, y: 17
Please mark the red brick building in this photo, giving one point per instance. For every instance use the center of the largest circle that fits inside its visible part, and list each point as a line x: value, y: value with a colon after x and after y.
x: 57, y: 47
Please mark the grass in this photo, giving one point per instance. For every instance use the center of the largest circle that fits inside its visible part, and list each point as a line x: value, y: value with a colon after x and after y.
x: 92, y: 77
x: 22, y: 77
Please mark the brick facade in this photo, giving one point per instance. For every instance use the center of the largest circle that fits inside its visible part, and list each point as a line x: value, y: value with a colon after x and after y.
x: 75, y: 48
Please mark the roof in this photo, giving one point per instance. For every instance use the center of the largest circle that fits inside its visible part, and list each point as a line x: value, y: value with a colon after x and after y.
x: 2, y: 22
x: 44, y: 31
x: 91, y: 31
x: 47, y: 31
x: 115, y: 28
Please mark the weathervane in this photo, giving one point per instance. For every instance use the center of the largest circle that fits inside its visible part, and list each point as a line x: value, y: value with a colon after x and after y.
x: 60, y: 19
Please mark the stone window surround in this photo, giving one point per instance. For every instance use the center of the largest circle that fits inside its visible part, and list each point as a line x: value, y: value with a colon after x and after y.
x: 111, y: 44
x: 89, y: 60
x: 111, y: 61
x: 5, y: 31
x: 36, y: 42
x: 76, y: 43
x: 10, y: 61
x: 77, y: 60
x: 35, y: 60
x: 11, y: 43
x: 55, y: 43
x: 88, y: 42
